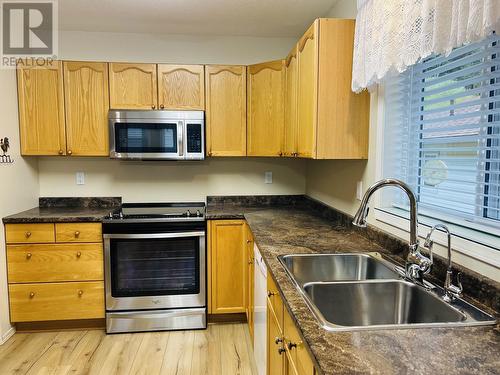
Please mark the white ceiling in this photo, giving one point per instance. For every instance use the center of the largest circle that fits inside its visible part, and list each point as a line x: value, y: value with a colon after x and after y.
x: 276, y: 18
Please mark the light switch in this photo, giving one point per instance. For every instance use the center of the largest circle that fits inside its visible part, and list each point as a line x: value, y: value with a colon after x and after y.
x: 80, y: 178
x: 268, y: 177
x: 359, y: 190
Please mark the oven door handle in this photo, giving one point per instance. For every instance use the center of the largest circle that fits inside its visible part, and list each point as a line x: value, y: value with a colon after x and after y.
x: 154, y: 235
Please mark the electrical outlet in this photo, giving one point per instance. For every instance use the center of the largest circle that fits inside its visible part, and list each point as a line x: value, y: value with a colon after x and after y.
x: 268, y: 177
x: 359, y: 190
x: 80, y: 178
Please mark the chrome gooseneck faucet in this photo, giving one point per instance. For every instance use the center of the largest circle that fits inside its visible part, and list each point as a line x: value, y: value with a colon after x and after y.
x: 451, y: 291
x: 416, y: 264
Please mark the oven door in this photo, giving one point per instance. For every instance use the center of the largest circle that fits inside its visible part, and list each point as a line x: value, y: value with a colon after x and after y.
x: 147, y: 139
x: 155, y: 271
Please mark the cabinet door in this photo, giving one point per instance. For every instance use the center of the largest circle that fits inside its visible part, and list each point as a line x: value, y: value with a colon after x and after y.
x: 229, y: 266
x: 275, y: 351
x: 41, y: 110
x: 181, y: 87
x: 307, y: 58
x: 226, y: 114
x: 132, y: 86
x: 87, y: 104
x: 265, y: 109
x: 290, y: 143
x: 250, y: 279
x: 297, y: 353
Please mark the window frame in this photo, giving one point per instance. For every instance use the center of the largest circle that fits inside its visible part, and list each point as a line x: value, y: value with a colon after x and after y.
x: 469, y: 247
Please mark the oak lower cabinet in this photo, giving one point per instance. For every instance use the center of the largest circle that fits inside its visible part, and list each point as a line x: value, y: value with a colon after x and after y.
x: 226, y: 110
x: 87, y: 105
x: 132, y: 86
x: 250, y: 279
x: 55, y: 271
x: 41, y: 109
x: 265, y: 106
x: 228, y: 266
x: 181, y: 87
x: 331, y: 121
x: 286, y: 353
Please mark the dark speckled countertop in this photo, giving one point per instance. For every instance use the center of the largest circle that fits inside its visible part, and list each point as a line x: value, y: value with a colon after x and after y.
x: 286, y: 230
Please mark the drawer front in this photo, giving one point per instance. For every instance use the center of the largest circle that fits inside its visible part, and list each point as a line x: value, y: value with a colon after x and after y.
x: 78, y: 232
x: 275, y: 300
x: 29, y: 233
x: 55, y: 262
x: 56, y: 301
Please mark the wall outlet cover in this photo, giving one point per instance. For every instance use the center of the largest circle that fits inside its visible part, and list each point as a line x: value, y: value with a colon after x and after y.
x: 80, y: 178
x: 268, y: 177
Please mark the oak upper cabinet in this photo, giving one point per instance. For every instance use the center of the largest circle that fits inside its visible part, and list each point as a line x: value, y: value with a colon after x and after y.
x: 181, y: 87
x: 307, y: 95
x: 132, y: 86
x: 87, y: 104
x: 265, y: 108
x: 332, y: 121
x: 290, y: 140
x: 226, y: 112
x: 228, y: 266
x: 41, y: 110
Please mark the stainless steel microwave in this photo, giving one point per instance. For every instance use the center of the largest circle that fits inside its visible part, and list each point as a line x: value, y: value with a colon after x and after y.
x: 162, y: 135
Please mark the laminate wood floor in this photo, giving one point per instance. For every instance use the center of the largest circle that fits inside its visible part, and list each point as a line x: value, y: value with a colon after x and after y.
x: 221, y: 349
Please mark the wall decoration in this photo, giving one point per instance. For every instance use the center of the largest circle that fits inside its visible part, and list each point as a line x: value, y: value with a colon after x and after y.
x: 4, y: 145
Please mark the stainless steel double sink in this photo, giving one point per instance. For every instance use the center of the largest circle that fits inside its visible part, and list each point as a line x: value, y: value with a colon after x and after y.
x: 348, y: 292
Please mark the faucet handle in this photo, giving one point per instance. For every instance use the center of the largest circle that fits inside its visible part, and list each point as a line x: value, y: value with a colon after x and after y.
x: 459, y: 286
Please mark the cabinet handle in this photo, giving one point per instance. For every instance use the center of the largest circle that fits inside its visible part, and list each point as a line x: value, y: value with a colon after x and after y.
x: 32, y: 294
x: 162, y: 106
x: 280, y: 351
x: 291, y: 345
x: 209, y: 153
x: 70, y: 152
x: 80, y: 293
x: 77, y: 234
x: 277, y: 340
x: 250, y: 261
x: 78, y: 254
x: 153, y: 107
x: 61, y: 152
x: 248, y: 241
x: 270, y: 294
x: 28, y: 256
x: 280, y: 154
x: 28, y: 234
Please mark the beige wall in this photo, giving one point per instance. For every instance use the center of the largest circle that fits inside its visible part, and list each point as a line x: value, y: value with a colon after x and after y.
x: 18, y: 181
x: 170, y: 181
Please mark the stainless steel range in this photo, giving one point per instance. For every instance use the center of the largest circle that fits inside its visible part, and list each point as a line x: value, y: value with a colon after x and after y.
x: 155, y: 267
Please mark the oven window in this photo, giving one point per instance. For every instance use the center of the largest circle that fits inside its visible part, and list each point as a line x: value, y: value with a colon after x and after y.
x: 155, y: 267
x: 146, y: 138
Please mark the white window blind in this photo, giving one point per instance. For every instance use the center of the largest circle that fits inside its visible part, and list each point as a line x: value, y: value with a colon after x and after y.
x: 442, y: 132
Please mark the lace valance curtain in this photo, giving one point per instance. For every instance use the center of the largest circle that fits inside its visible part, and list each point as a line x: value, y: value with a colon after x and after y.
x: 394, y: 34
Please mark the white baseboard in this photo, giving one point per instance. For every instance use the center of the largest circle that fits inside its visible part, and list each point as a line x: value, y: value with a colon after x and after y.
x: 7, y: 335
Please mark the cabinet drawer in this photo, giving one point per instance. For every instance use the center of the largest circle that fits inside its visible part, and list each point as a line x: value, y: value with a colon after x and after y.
x: 78, y: 232
x: 56, y: 301
x: 54, y: 262
x: 29, y: 233
x: 275, y: 300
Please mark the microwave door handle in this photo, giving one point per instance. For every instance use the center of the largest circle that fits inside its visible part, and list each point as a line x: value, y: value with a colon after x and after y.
x: 180, y: 138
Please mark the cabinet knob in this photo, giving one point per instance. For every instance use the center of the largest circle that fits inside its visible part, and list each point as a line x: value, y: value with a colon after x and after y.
x: 32, y: 294
x: 209, y: 153
x: 78, y: 254
x: 28, y: 234
x: 277, y: 340
x: 77, y: 234
x: 291, y: 345
x: 162, y: 106
x: 70, y: 152
x: 153, y: 107
x: 250, y: 261
x: 28, y: 256
x: 280, y: 351
x: 80, y: 293
x: 248, y: 241
x: 61, y: 152
x: 270, y: 294
x: 280, y: 154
